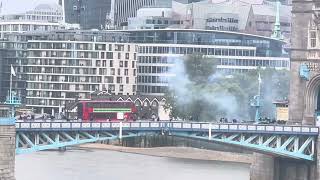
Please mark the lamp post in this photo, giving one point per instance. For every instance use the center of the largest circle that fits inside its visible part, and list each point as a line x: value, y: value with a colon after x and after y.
x: 255, y: 102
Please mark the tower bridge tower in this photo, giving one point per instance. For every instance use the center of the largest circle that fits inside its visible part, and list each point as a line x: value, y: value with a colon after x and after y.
x: 304, y: 98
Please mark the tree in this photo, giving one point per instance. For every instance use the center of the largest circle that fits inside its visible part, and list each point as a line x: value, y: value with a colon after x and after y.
x: 199, y: 69
x: 200, y: 93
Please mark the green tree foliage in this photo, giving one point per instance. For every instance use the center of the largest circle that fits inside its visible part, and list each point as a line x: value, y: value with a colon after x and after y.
x: 199, y: 69
x: 209, y: 95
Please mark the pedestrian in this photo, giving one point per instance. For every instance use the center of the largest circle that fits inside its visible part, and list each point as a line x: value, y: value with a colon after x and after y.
x: 153, y: 117
x: 158, y: 119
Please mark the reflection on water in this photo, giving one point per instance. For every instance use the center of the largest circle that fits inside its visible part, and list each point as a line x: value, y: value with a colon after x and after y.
x: 109, y: 165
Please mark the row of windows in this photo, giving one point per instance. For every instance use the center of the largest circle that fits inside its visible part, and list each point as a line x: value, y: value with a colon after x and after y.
x: 59, y: 94
x: 58, y: 86
x: 152, y: 79
x: 78, y: 71
x: 74, y: 54
x: 51, y: 102
x: 246, y: 62
x: 57, y: 78
x: 60, y: 70
x: 77, y: 62
x: 58, y: 62
x: 156, y: 60
x: 82, y: 46
x: 77, y: 54
x: 152, y: 89
x: 191, y: 50
x: 153, y: 69
x: 104, y: 63
x: 54, y: 94
x: 154, y: 21
x: 27, y: 27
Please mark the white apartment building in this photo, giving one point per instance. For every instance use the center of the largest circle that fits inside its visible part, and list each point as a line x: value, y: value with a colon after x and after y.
x: 63, y: 66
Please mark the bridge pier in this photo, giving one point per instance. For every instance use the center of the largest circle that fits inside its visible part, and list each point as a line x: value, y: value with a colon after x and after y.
x: 262, y: 167
x: 7, y: 152
x: 265, y: 167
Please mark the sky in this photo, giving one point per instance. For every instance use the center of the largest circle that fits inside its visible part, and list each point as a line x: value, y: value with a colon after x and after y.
x: 17, y: 6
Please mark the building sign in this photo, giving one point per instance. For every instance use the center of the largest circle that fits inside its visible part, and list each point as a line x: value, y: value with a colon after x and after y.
x: 282, y: 113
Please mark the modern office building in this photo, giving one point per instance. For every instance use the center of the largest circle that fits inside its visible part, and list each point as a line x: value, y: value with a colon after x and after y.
x: 249, y: 16
x: 105, y: 14
x: 57, y: 67
x: 235, y: 52
x: 90, y: 14
x: 154, y: 18
x: 45, y: 17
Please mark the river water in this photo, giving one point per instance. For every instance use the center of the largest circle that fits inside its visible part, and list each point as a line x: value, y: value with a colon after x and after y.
x: 78, y: 164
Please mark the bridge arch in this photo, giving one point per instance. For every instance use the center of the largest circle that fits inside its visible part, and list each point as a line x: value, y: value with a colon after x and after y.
x: 312, y: 100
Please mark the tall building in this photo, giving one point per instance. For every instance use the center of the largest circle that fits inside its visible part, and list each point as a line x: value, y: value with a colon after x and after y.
x: 57, y: 67
x: 105, y: 14
x: 125, y: 9
x: 90, y: 14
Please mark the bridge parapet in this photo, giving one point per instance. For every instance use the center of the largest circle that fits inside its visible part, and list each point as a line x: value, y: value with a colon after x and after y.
x: 173, y: 126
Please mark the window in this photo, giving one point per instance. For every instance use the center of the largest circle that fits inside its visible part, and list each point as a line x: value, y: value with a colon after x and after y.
x: 127, y: 55
x: 112, y: 71
x: 126, y: 72
x: 126, y: 64
x: 119, y: 55
x: 98, y: 64
x: 121, y: 63
x: 121, y: 88
x: 109, y: 55
x: 133, y: 64
x: 119, y: 80
x: 313, y: 39
x: 111, y: 63
x: 127, y: 80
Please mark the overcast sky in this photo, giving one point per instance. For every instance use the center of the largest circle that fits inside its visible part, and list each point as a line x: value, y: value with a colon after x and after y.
x: 14, y: 6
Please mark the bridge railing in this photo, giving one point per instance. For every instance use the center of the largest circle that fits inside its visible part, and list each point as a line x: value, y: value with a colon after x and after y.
x: 183, y: 126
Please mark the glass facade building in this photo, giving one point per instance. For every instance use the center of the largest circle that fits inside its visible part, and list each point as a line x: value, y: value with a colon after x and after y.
x: 235, y: 52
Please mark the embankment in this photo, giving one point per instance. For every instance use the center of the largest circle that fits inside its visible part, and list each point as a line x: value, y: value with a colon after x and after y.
x: 178, y: 152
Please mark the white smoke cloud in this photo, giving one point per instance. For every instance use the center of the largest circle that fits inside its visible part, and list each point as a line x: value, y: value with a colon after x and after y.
x: 183, y: 88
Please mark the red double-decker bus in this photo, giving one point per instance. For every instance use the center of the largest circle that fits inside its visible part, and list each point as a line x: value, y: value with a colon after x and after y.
x: 98, y: 111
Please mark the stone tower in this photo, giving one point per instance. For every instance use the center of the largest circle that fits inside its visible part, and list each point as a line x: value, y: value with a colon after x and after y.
x: 7, y: 144
x: 305, y: 63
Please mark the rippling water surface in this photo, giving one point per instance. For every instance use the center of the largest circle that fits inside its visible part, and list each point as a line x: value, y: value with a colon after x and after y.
x: 110, y: 165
